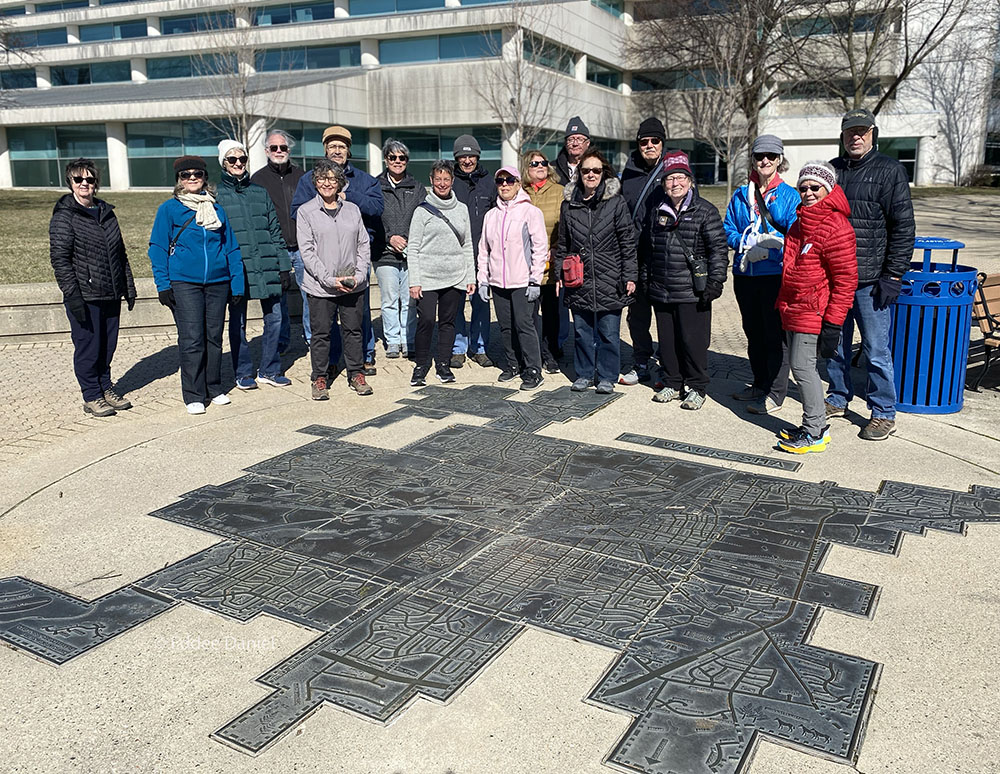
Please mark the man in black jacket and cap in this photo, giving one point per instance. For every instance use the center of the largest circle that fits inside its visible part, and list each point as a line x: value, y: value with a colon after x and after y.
x: 577, y: 143
x: 878, y: 191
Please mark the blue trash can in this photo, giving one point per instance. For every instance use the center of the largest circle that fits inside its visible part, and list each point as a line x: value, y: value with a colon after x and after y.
x: 930, y: 333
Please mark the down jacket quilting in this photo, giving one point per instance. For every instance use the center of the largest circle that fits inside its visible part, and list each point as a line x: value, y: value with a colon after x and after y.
x: 400, y: 202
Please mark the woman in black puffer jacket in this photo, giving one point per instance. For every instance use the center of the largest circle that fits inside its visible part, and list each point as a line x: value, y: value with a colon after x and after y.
x: 594, y: 223
x: 93, y: 273
x: 689, y: 262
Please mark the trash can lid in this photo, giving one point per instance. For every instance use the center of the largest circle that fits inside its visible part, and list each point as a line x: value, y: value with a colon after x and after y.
x: 936, y: 243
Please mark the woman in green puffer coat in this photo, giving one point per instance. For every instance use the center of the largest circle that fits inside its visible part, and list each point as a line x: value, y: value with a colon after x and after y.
x: 266, y: 267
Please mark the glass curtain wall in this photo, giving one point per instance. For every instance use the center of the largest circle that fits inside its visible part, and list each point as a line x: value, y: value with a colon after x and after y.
x: 39, y: 153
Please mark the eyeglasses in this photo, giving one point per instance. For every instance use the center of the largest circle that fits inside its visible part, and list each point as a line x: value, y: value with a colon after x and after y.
x: 768, y: 156
x: 813, y: 188
x: 676, y: 179
x: 538, y: 163
x: 591, y: 170
x: 193, y: 174
x: 80, y: 180
x: 278, y: 148
x: 395, y: 157
x: 576, y: 140
x: 650, y: 141
x: 506, y: 180
x: 234, y: 160
x: 326, y: 182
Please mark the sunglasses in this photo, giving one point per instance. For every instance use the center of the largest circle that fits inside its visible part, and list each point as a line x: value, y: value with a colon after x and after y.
x: 813, y: 188
x: 278, y: 148
x: 506, y: 180
x: 541, y: 163
x: 592, y: 170
x: 768, y: 156
x: 192, y: 174
x: 234, y: 160
x: 396, y: 157
x: 650, y: 141
x: 79, y: 180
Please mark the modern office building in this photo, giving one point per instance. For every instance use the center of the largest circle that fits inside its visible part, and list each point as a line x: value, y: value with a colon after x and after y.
x: 134, y: 83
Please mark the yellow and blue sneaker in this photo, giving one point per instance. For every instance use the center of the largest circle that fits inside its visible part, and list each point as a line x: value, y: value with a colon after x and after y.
x: 798, y: 441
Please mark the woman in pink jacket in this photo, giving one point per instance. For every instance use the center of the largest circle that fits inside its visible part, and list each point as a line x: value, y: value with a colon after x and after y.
x: 512, y: 253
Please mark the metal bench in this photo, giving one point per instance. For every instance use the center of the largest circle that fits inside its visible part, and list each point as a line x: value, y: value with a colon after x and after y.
x: 986, y: 311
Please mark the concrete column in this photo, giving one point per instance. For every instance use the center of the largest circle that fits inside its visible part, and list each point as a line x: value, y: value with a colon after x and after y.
x: 117, y: 156
x: 626, y: 87
x: 510, y: 148
x: 375, y: 165
x: 628, y: 14
x: 923, y: 174
x: 94, y: 3
x: 138, y: 66
x: 72, y: 33
x: 452, y: 3
x: 341, y: 9
x: 513, y: 44
x: 29, y: 8
x: 6, y: 174
x: 43, y: 78
x: 242, y: 16
x: 256, y: 139
x: 152, y: 26
x: 580, y: 68
x: 369, y: 53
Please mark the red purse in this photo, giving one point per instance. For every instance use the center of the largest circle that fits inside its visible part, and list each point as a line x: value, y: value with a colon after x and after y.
x: 572, y: 271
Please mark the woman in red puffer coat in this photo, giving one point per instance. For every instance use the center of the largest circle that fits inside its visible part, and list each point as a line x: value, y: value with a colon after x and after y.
x: 819, y: 277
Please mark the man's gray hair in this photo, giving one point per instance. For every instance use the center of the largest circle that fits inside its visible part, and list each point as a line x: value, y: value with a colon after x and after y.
x: 392, y: 145
x: 289, y: 140
x: 325, y: 167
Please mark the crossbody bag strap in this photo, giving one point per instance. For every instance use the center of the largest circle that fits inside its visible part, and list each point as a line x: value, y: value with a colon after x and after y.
x: 438, y: 214
x: 645, y: 191
x: 762, y: 206
x: 173, y: 242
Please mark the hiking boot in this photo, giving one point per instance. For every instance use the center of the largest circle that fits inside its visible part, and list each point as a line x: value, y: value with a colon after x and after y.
x: 482, y: 359
x: 766, y: 406
x: 834, y: 411
x: 531, y: 378
x: 392, y: 351
x: 629, y: 379
x: 666, y: 395
x: 116, y: 401
x: 801, y: 442
x: 878, y: 429
x: 277, y: 380
x: 419, y: 378
x: 196, y: 408
x: 246, y: 383
x: 693, y: 401
x: 508, y: 374
x: 369, y: 368
x: 221, y: 400
x: 581, y: 385
x: 444, y: 375
x: 750, y: 393
x: 319, y: 389
x: 359, y: 385
x: 99, y: 407
x: 457, y: 361
x: 604, y: 388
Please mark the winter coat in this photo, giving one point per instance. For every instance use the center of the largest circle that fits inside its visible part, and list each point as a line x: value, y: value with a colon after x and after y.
x: 820, y: 271
x: 548, y: 199
x: 280, y: 183
x: 743, y: 220
x: 434, y: 256
x: 400, y: 202
x: 332, y: 247
x: 478, y: 192
x: 200, y: 256
x: 362, y: 190
x: 563, y: 175
x: 88, y: 253
x: 881, y: 214
x: 600, y: 231
x: 696, y: 230
x: 634, y: 178
x: 255, y: 223
x: 514, y: 247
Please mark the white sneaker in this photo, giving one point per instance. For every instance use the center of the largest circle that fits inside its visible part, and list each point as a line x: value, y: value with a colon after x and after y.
x: 221, y: 400
x: 196, y: 408
x: 629, y: 379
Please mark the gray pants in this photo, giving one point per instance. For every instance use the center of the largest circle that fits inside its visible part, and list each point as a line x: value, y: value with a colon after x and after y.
x: 802, y: 359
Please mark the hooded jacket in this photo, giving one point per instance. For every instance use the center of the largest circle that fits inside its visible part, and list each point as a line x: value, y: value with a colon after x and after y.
x: 255, y: 224
x: 477, y: 191
x: 362, y: 190
x: 280, y: 183
x: 201, y: 256
x: 743, y: 220
x: 548, y: 198
x: 400, y: 202
x: 563, y: 174
x: 436, y: 258
x: 88, y: 253
x: 820, y: 271
x: 514, y: 246
x: 331, y: 247
x: 600, y: 231
x: 878, y: 192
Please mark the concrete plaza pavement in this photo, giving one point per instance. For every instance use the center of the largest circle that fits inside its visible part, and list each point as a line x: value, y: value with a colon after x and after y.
x: 75, y: 498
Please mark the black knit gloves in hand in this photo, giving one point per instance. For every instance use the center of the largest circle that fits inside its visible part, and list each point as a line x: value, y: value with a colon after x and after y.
x: 829, y: 340
x: 886, y: 291
x: 167, y: 298
x: 130, y: 303
x: 712, y: 291
x: 286, y: 280
x: 78, y: 309
x: 235, y: 302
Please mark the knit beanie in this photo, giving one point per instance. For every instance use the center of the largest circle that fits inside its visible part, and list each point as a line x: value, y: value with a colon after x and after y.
x: 229, y: 145
x: 576, y: 126
x: 466, y: 145
x: 676, y: 161
x: 768, y: 143
x: 189, y: 162
x: 819, y: 172
x: 651, y: 127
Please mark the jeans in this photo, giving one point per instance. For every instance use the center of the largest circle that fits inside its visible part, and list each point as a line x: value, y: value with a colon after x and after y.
x: 324, y: 311
x: 399, y: 311
x: 802, y: 358
x: 285, y: 336
x: 684, y: 332
x: 94, y: 345
x: 200, y: 315
x: 875, y: 326
x: 445, y: 302
x: 766, y: 348
x: 239, y: 347
x: 478, y: 329
x: 597, y: 345
x: 516, y: 317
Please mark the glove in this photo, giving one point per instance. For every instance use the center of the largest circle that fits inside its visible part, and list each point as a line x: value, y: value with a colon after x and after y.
x: 235, y: 302
x: 713, y: 289
x: 130, y: 303
x: 78, y: 309
x: 771, y: 241
x: 484, y: 293
x: 167, y: 298
x: 533, y: 292
x: 886, y: 291
x: 757, y: 253
x: 829, y: 340
x: 286, y: 280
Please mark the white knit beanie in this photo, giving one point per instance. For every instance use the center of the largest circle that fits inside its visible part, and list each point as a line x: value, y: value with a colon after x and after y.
x: 820, y: 172
x: 226, y: 146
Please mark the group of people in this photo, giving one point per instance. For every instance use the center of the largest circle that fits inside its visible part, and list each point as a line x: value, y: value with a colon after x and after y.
x: 547, y: 236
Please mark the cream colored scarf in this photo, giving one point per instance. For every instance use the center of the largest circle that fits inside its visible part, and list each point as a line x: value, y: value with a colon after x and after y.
x: 204, y: 206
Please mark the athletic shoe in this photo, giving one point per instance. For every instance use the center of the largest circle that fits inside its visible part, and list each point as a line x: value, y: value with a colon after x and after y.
x: 444, y: 375
x: 246, y: 383
x: 508, y: 375
x: 834, y: 411
x: 750, y: 393
x: 100, y: 408
x: 766, y: 406
x: 419, y: 378
x: 878, y: 429
x: 803, y: 443
x: 196, y: 408
x: 369, y: 368
x: 788, y: 433
x: 116, y: 401
x: 604, y: 388
x: 666, y: 395
x: 359, y: 385
x: 275, y: 381
x: 629, y: 379
x: 221, y: 400
x: 581, y: 385
x: 392, y: 352
x: 457, y: 361
x: 482, y: 359
x: 550, y: 365
x: 693, y: 401
x: 319, y: 389
x: 531, y: 379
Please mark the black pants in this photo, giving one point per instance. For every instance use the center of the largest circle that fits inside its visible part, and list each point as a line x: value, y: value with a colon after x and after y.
x: 322, y: 312
x: 684, y: 331
x: 640, y: 320
x: 200, y: 316
x: 446, y: 303
x: 94, y: 344
x: 766, y: 347
x: 548, y: 322
x: 516, y: 317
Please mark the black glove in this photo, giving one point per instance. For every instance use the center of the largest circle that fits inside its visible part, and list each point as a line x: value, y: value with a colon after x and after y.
x: 286, y: 280
x: 235, y: 301
x: 130, y: 303
x: 829, y: 340
x: 886, y: 291
x: 167, y: 298
x: 712, y: 291
x: 78, y: 309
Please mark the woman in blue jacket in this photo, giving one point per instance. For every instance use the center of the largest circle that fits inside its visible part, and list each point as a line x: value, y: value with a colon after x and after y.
x: 759, y: 215
x: 197, y: 268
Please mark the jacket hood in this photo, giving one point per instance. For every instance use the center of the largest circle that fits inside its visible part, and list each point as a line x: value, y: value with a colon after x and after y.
x: 814, y: 216
x: 519, y: 198
x: 612, y: 186
x: 69, y: 202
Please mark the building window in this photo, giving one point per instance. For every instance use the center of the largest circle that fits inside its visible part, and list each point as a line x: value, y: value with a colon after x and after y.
x: 466, y: 45
x: 904, y: 150
x: 38, y: 38
x: 309, y: 143
x: 992, y: 158
x: 614, y: 7
x: 379, y: 7
x: 18, y: 79
x: 97, y: 72
x: 428, y: 145
x: 18, y: 11
x: 547, y: 54
x: 672, y: 80
x: 63, y: 6
x: 294, y: 13
x: 483, y: 2
x: 603, y: 75
x: 116, y: 2
x: 39, y: 154
x: 841, y: 25
x: 202, y: 22
x: 189, y: 66
x: 93, y: 33
x: 309, y: 58
x: 815, y: 90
